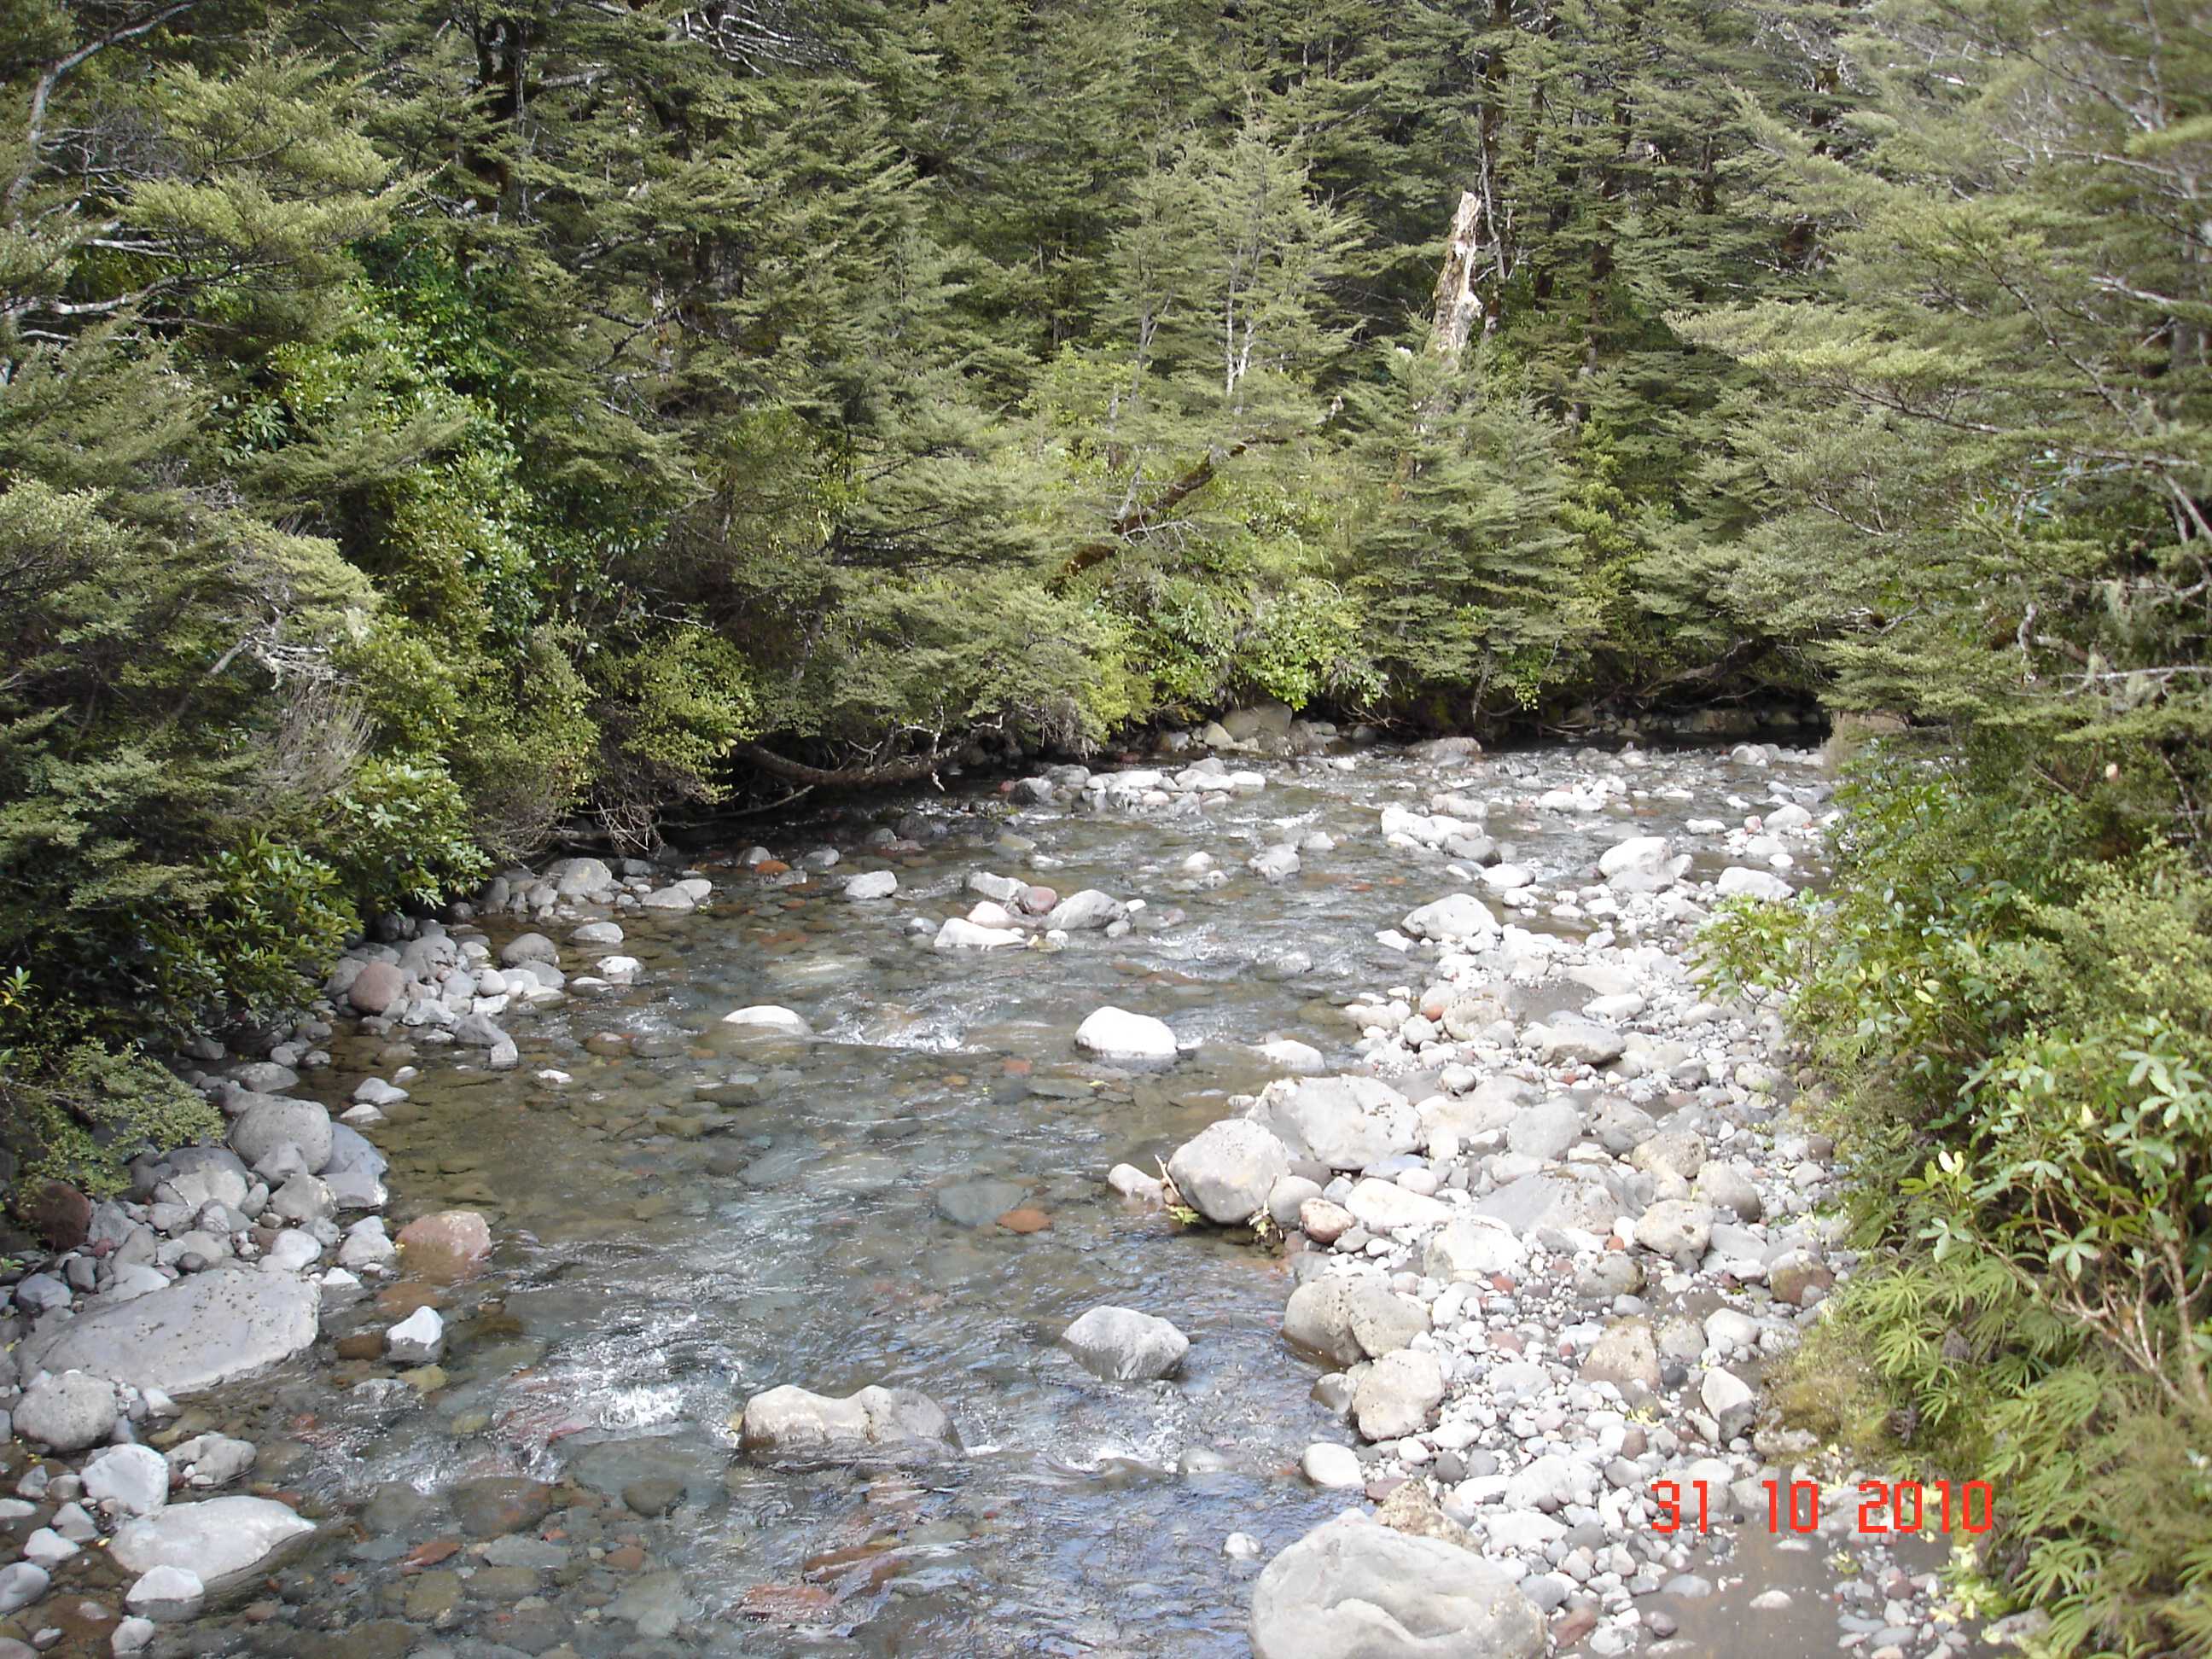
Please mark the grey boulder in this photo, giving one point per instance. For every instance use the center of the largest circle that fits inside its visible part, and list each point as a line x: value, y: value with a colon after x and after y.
x: 900, y: 1425
x: 204, y: 1329
x: 1352, y: 1590
x: 220, y: 1540
x: 1227, y: 1170
x: 269, y: 1125
x: 1123, y: 1345
x: 68, y: 1411
x: 1346, y: 1123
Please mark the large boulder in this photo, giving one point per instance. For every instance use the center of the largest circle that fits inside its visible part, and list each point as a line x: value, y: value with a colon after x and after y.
x: 1473, y: 1247
x: 1739, y: 882
x: 1346, y: 1123
x: 1567, y: 1202
x: 204, y: 1330
x: 1227, y: 1170
x: 1397, y: 1393
x: 1351, y: 1319
x: 263, y: 1127
x: 1117, y: 1033
x: 221, y: 1540
x: 577, y: 878
x: 448, y: 1244
x: 376, y: 987
x: 66, y: 1412
x: 1124, y: 1346
x: 900, y: 1425
x: 1351, y: 1589
x: 1088, y: 909
x: 1642, y: 864
x: 1452, y: 919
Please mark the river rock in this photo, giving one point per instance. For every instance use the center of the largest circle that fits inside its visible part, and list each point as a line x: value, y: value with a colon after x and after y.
x: 1534, y: 1202
x: 135, y: 1479
x: 768, y: 1017
x: 1332, y: 1467
x: 900, y: 1424
x: 1123, y: 1345
x: 1625, y: 1356
x: 1384, y: 1207
x: 21, y: 1585
x: 204, y: 1330
x: 1473, y: 1247
x: 875, y: 885
x: 958, y: 933
x: 167, y: 1595
x: 1640, y: 864
x: 210, y: 1460
x: 1117, y: 1033
x: 1570, y: 1040
x: 264, y: 1127
x: 67, y: 1411
x: 528, y: 947
x: 1738, y: 882
x: 418, y: 1339
x: 376, y: 987
x: 1088, y: 909
x: 1730, y: 1401
x: 1676, y: 1228
x: 1452, y: 919
x: 579, y: 877
x: 1318, y: 1317
x: 979, y: 1203
x: 1726, y: 1187
x: 1227, y: 1170
x: 446, y: 1244
x: 1397, y: 1395
x: 1351, y: 1589
x: 221, y: 1540
x: 1544, y: 1132
x: 1346, y: 1123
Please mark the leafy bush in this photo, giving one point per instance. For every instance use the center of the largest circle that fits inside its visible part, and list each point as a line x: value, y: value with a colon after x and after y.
x: 402, y: 834
x: 78, y: 1110
x: 268, y: 920
x: 2015, y: 1029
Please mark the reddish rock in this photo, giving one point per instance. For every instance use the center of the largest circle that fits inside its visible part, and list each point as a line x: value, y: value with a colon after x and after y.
x: 60, y: 1214
x: 788, y: 1604
x: 626, y: 1558
x: 449, y: 1244
x: 376, y: 987
x: 1037, y: 901
x: 1572, y: 1627
x: 771, y: 867
x: 1025, y: 1220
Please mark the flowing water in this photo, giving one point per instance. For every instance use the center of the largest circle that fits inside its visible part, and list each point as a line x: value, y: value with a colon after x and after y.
x: 700, y: 1214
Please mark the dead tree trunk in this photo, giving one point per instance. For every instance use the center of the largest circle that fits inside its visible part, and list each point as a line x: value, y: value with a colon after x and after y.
x: 1459, y: 308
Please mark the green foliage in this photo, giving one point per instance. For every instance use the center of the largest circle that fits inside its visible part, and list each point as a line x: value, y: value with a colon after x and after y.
x: 2015, y: 1025
x: 76, y: 1110
x: 402, y: 835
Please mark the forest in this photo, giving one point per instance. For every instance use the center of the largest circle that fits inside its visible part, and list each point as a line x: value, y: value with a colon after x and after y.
x: 432, y: 431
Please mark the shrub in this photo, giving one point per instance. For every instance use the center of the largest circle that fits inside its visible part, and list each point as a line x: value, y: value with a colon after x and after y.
x: 2012, y: 1011
x: 78, y: 1110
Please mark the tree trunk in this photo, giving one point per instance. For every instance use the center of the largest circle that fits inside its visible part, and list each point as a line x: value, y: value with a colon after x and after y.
x: 877, y: 776
x: 1459, y: 308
